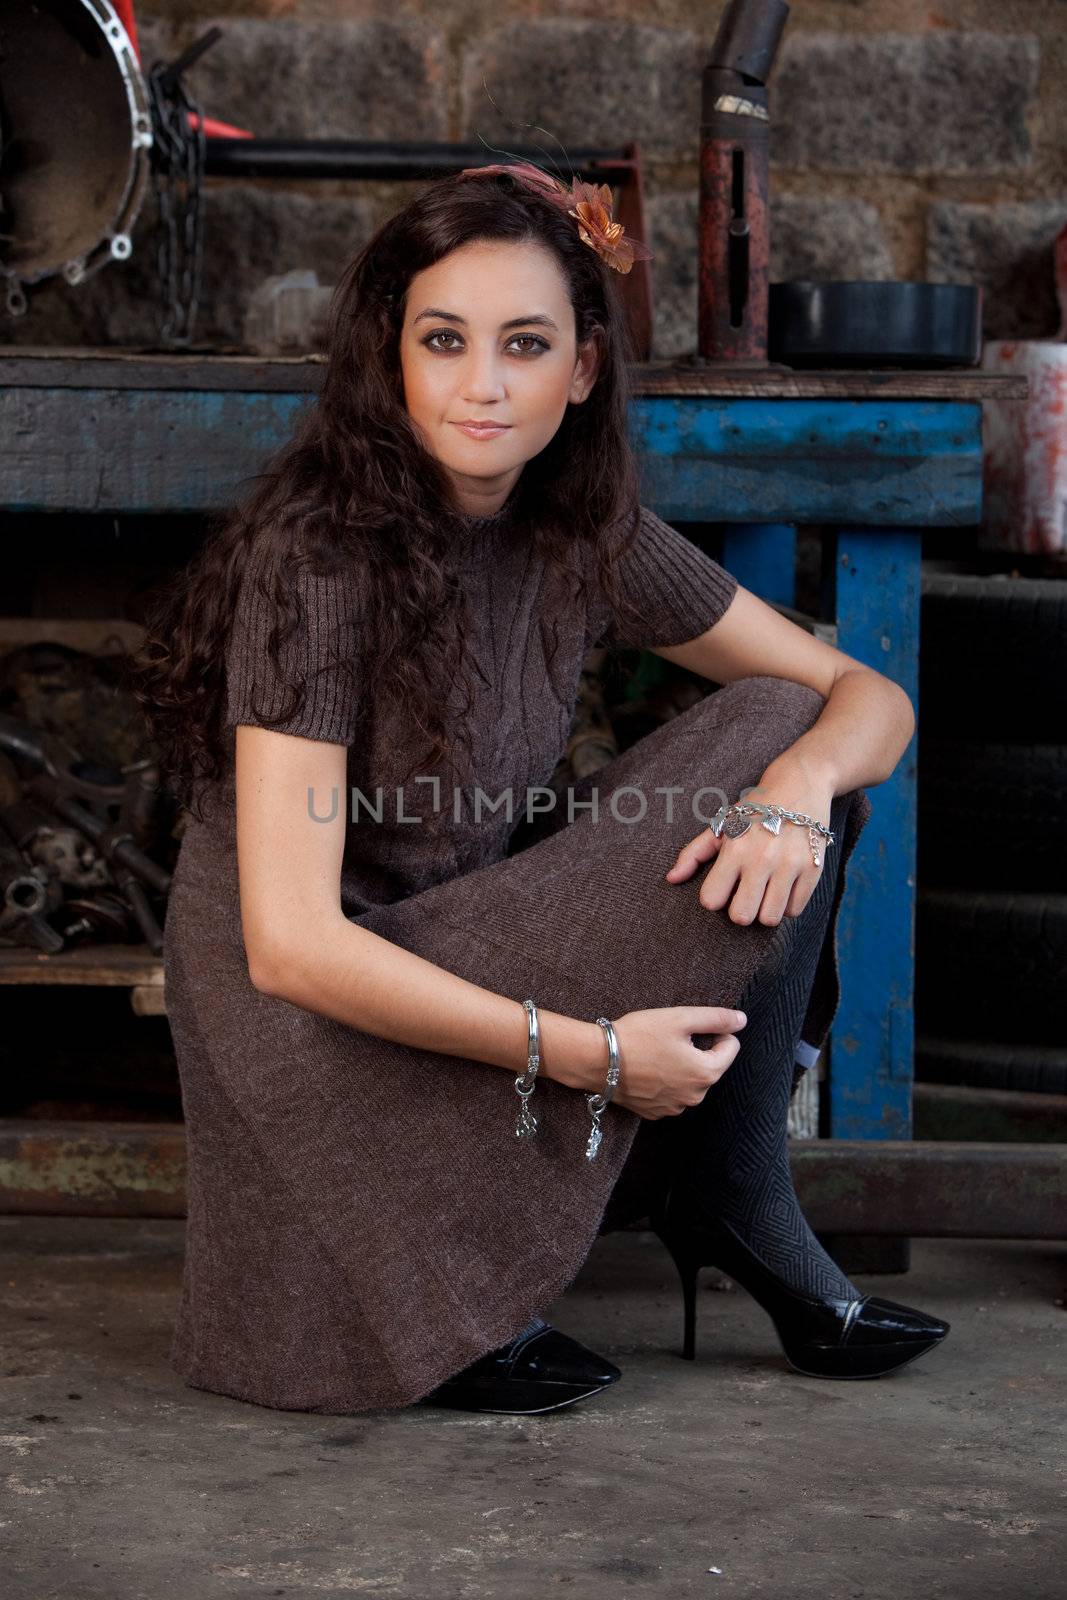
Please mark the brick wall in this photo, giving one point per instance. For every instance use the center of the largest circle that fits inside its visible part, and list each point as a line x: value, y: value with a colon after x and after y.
x: 909, y: 140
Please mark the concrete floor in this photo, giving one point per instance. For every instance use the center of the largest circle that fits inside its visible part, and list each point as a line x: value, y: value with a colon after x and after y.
x: 946, y: 1479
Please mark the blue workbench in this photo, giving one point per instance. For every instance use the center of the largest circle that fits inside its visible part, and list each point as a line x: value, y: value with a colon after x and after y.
x: 870, y: 458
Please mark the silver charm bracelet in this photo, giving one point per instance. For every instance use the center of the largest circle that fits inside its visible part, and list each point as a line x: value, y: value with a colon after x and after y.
x: 597, y: 1102
x: 526, y: 1082
x: 736, y: 819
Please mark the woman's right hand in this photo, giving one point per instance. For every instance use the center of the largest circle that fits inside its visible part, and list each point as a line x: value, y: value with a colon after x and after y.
x: 661, y: 1070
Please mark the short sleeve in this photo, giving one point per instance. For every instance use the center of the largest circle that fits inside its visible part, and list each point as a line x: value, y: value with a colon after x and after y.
x: 678, y: 589
x: 318, y: 654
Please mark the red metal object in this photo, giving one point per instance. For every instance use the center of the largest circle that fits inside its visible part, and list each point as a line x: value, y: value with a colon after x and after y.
x: 1025, y: 461
x: 124, y: 11
x: 734, y: 242
x: 214, y: 129
x: 734, y: 228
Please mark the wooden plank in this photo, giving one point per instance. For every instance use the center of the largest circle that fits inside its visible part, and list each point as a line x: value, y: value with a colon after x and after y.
x: 915, y: 463
x: 95, y: 965
x: 148, y: 1000
x: 97, y: 635
x: 787, y: 383
x: 56, y: 366
x: 701, y: 459
x: 128, y: 450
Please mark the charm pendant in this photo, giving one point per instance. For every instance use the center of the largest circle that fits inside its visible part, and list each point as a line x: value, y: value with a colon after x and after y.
x: 735, y: 825
x: 526, y: 1122
x: 593, y: 1145
x: 772, y: 824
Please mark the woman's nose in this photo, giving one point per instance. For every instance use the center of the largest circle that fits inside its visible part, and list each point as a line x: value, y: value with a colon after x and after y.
x: 482, y: 376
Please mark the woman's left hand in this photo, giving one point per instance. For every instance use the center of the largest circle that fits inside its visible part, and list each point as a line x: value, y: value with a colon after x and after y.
x: 769, y: 875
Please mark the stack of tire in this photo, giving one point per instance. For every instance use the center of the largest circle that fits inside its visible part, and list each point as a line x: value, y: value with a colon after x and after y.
x: 991, y: 907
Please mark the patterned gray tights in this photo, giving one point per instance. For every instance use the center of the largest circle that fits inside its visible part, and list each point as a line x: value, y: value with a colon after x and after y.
x: 731, y: 1155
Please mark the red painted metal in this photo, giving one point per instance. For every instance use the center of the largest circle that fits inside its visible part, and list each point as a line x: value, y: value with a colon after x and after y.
x: 1025, y: 452
x: 733, y: 247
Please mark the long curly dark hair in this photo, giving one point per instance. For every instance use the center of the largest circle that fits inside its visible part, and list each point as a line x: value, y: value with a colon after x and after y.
x: 354, y: 487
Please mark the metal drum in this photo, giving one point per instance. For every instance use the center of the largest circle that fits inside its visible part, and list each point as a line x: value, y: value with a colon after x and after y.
x: 75, y: 136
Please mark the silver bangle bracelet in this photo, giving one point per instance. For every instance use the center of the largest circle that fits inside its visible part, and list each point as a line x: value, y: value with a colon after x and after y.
x: 526, y: 1082
x: 597, y: 1102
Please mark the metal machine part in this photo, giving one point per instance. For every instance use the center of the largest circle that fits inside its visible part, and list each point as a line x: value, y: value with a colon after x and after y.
x: 75, y: 136
x: 734, y: 227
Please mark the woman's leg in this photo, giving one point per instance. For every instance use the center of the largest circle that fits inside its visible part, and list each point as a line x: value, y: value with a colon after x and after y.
x: 732, y: 1157
x: 733, y: 1147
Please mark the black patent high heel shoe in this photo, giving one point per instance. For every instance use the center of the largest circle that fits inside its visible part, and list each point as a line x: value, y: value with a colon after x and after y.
x: 541, y: 1369
x: 862, y: 1338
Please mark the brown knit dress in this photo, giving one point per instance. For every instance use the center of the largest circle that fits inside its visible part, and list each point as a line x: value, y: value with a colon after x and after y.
x: 362, y: 1221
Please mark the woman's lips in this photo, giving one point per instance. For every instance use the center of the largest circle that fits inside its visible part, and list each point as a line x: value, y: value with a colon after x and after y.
x: 481, y: 433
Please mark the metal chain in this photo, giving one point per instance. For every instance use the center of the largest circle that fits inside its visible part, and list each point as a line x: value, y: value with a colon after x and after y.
x: 735, y: 820
x: 177, y: 170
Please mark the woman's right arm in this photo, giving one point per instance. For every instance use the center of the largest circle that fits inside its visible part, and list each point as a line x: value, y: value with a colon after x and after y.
x: 302, y: 948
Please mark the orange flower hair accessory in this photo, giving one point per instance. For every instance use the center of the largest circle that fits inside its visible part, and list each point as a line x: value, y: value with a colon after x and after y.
x: 590, y: 203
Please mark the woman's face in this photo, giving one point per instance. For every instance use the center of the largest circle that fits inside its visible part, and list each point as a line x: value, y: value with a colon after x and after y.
x: 489, y: 334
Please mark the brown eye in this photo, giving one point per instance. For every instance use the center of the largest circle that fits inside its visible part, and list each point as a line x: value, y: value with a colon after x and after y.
x: 442, y: 333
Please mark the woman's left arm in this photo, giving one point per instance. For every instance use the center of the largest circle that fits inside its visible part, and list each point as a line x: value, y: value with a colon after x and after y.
x: 857, y: 739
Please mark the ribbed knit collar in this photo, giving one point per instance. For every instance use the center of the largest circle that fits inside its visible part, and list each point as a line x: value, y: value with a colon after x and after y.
x: 477, y: 530
x: 490, y: 518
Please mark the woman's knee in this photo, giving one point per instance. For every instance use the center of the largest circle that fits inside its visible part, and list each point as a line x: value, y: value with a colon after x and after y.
x: 798, y: 701
x: 776, y: 711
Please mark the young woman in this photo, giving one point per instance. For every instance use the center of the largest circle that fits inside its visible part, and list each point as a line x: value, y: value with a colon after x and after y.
x: 421, y: 1072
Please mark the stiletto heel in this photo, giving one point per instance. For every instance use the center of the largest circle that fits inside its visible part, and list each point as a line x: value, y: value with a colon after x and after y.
x: 866, y: 1337
x: 688, y: 1268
